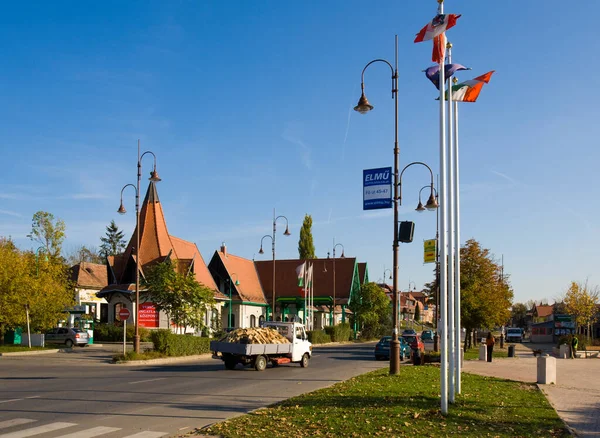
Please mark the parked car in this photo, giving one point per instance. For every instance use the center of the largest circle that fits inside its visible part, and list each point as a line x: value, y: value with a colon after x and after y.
x: 414, y: 341
x: 382, y: 349
x: 409, y: 332
x: 66, y: 336
x: 427, y: 336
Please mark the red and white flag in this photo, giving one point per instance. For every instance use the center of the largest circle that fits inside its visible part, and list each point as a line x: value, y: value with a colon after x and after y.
x: 440, y: 24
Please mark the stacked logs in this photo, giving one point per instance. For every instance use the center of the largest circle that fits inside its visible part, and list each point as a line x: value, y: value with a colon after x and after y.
x: 255, y: 335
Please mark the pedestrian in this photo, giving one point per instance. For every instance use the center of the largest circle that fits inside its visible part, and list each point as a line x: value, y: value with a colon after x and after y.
x: 574, y: 345
x: 489, y: 342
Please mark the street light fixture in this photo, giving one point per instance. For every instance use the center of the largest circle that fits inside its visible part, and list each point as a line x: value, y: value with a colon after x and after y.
x: 154, y: 178
x: 272, y: 237
x: 363, y: 107
x: 386, y: 270
x: 342, y: 256
x: 237, y: 283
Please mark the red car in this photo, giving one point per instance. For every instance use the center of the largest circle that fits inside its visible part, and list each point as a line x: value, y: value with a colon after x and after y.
x: 414, y: 341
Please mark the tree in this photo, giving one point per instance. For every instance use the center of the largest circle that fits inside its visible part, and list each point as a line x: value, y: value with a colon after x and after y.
x: 518, y: 315
x: 306, y: 247
x: 485, y: 294
x: 417, y: 312
x: 114, y: 243
x: 372, y: 311
x: 581, y: 301
x: 84, y: 254
x: 183, y: 299
x: 27, y: 280
x: 48, y: 232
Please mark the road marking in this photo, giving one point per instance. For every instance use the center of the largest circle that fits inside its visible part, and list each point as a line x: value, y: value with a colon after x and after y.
x: 37, y: 430
x: 15, y: 422
x: 147, y: 434
x: 90, y: 433
x: 150, y: 380
x: 34, y: 396
x: 11, y: 400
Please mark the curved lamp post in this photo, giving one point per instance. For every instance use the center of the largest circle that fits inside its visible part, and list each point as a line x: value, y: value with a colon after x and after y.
x: 387, y: 270
x: 363, y: 107
x: 155, y: 178
x: 237, y: 283
x: 342, y: 256
x: 272, y: 237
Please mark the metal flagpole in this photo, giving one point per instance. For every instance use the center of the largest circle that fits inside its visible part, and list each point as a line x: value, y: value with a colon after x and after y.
x: 451, y: 327
x: 458, y: 350
x: 443, y: 248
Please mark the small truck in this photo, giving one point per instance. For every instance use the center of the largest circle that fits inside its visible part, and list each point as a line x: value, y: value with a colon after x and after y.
x: 299, y: 350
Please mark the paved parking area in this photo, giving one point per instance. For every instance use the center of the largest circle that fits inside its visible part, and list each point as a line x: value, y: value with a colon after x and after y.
x: 576, y: 395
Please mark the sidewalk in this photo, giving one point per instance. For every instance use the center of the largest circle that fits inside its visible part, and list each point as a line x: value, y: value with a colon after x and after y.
x: 576, y: 395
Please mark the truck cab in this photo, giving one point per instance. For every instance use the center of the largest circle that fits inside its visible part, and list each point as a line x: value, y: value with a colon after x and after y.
x: 297, y: 336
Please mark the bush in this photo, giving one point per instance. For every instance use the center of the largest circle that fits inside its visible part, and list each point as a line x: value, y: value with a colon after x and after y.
x: 318, y: 337
x: 114, y: 333
x: 179, y: 345
x: 340, y: 332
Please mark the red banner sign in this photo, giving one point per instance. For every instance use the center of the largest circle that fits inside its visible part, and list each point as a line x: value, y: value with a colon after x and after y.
x: 148, y: 315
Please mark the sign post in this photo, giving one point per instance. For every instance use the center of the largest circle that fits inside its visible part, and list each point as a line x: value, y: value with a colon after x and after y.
x: 124, y: 316
x: 429, y: 251
x: 377, y: 188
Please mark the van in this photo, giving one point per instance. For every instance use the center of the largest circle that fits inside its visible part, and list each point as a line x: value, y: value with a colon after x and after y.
x: 514, y: 334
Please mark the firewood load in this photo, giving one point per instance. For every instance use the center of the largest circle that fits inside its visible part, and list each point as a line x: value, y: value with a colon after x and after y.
x: 255, y: 335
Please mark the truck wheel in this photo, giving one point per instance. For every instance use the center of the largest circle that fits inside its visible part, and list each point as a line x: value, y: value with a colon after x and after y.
x: 230, y: 363
x: 304, y: 361
x: 260, y: 363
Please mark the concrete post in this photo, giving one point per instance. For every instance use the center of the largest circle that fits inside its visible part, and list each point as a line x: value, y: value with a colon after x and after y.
x: 546, y: 370
x: 482, y: 352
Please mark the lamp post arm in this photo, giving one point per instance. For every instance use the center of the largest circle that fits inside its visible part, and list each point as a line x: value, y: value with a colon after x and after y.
x: 142, y: 156
x: 394, y: 75
x: 128, y: 185
x: 400, y: 179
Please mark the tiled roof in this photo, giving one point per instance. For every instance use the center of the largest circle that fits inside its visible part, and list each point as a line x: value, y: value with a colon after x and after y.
x: 156, y: 244
x: 244, y: 271
x: 287, y: 280
x: 362, y: 272
x: 544, y: 310
x: 90, y: 275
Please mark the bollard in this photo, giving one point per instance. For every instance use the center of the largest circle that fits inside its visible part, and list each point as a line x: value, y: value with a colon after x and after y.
x: 563, y: 351
x: 482, y: 352
x: 546, y: 370
x: 511, y: 351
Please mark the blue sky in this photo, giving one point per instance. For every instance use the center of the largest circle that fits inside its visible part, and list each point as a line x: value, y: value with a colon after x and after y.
x: 247, y: 106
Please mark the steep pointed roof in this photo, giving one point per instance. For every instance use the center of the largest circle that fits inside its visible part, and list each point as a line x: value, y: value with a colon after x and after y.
x: 156, y: 244
x: 249, y: 288
x: 89, y: 275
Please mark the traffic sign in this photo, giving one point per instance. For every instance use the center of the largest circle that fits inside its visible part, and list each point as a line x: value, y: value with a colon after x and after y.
x: 124, y: 314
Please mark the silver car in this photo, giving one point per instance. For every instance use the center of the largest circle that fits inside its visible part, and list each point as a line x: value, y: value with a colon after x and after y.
x: 67, y: 336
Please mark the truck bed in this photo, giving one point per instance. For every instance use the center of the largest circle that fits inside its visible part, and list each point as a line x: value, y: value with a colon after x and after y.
x: 250, y: 349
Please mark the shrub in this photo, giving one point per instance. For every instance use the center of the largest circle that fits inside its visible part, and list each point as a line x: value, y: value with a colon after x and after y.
x: 114, y: 333
x: 318, y: 337
x: 340, y: 332
x: 179, y: 345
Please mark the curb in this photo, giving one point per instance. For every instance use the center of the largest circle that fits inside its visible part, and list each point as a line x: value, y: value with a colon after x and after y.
x: 165, y: 360
x: 29, y: 353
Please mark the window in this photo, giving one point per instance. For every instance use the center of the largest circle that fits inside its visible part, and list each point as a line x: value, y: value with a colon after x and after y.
x: 252, y: 320
x: 261, y: 320
x: 118, y: 308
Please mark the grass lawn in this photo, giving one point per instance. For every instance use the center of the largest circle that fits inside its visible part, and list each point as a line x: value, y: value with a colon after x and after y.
x: 15, y: 348
x: 408, y: 405
x: 473, y: 353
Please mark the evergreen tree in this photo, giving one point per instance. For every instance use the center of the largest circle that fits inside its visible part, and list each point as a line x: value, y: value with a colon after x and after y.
x: 306, y: 247
x: 417, y: 312
x: 114, y: 242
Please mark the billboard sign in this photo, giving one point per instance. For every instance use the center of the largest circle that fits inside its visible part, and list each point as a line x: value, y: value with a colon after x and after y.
x: 377, y: 188
x: 429, y: 251
x: 148, y: 315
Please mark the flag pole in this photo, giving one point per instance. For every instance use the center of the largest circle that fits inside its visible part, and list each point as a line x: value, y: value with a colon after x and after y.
x: 458, y: 349
x: 443, y: 248
x: 451, y: 327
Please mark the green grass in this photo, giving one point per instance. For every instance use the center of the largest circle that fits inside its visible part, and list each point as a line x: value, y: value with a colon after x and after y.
x: 408, y: 405
x: 473, y: 353
x: 18, y: 348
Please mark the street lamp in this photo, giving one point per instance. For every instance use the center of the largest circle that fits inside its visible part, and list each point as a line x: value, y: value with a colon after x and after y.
x: 153, y: 177
x: 272, y: 237
x: 363, y: 107
x: 386, y: 270
x: 237, y: 283
x: 342, y: 256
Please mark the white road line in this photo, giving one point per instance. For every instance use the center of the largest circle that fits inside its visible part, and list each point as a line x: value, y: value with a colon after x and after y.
x: 37, y: 430
x: 90, y: 433
x: 15, y: 422
x: 11, y: 400
x: 34, y: 396
x: 147, y: 434
x: 150, y: 380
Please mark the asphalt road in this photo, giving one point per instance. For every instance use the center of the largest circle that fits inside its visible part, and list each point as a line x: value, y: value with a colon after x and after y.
x: 80, y: 394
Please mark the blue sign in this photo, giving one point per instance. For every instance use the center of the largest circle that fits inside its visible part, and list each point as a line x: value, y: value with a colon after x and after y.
x: 377, y: 188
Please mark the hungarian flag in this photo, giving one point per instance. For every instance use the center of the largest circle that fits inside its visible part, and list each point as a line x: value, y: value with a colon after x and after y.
x: 300, y: 273
x: 433, y: 72
x: 440, y: 24
x: 468, y: 91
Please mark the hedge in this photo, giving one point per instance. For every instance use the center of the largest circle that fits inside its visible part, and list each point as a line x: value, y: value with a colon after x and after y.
x: 339, y: 333
x: 318, y: 337
x: 179, y: 345
x: 113, y: 333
